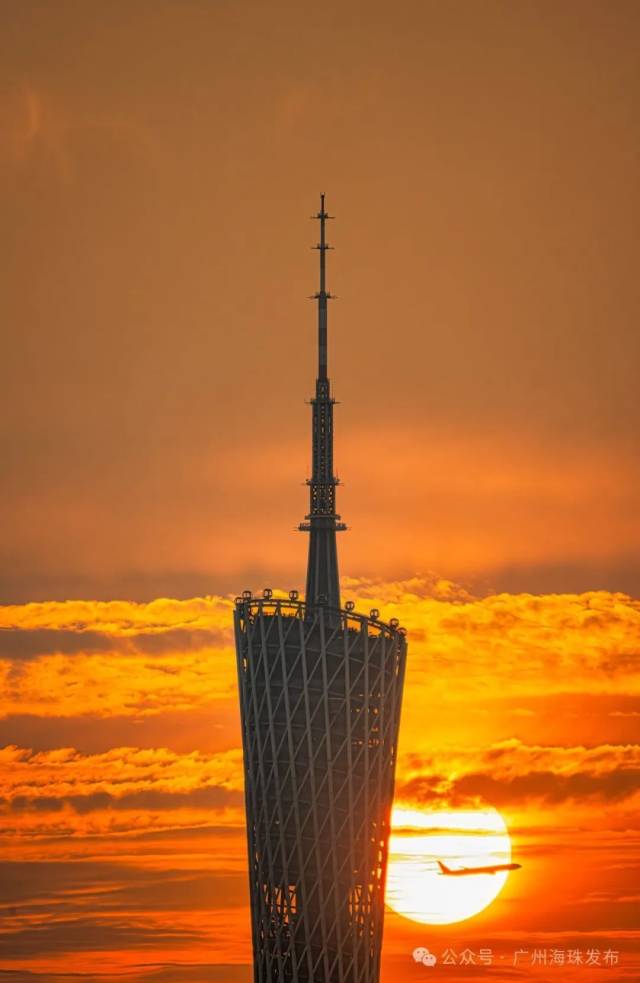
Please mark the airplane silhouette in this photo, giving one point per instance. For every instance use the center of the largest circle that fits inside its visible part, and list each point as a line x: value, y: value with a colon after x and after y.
x: 493, y: 869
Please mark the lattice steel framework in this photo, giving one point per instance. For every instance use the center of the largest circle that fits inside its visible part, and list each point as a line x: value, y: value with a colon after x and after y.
x: 320, y: 706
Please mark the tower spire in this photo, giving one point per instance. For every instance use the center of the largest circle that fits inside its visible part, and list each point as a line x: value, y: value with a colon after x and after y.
x: 322, y: 295
x: 322, y: 520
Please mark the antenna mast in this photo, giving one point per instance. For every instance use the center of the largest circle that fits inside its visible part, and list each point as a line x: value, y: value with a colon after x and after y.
x: 322, y: 520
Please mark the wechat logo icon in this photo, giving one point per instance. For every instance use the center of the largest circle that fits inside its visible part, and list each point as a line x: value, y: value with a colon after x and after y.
x: 422, y: 955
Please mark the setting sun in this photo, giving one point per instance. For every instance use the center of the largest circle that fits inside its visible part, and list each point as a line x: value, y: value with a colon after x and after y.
x: 418, y: 890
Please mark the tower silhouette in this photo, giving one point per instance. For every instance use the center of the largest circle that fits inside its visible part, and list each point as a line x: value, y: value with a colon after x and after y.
x: 320, y: 695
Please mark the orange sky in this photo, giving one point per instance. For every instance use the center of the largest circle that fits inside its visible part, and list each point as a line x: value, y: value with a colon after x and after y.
x: 158, y: 163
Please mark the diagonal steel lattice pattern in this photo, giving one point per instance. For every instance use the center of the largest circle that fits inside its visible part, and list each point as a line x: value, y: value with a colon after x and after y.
x: 320, y: 697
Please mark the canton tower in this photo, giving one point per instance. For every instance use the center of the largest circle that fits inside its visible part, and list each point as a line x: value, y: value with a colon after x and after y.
x: 320, y: 695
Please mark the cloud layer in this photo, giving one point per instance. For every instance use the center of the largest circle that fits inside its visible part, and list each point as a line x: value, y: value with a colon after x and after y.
x: 121, y: 781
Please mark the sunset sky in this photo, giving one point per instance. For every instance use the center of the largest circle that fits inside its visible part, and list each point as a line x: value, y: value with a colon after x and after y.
x: 159, y: 162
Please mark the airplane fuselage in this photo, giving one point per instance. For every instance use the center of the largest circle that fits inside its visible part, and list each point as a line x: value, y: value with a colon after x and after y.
x: 463, y: 871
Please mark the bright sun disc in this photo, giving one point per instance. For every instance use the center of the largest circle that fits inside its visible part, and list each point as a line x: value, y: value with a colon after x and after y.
x: 415, y: 886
